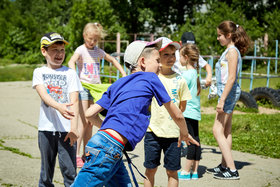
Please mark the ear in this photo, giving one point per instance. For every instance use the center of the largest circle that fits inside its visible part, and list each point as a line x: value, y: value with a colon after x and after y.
x: 142, y: 63
x: 43, y: 51
x: 228, y: 36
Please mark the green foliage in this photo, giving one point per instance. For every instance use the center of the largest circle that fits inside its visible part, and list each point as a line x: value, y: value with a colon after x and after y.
x: 251, y: 134
x: 204, y: 25
x: 17, y: 73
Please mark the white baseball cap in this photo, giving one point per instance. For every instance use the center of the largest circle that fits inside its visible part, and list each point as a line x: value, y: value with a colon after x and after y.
x: 135, y: 49
x: 166, y: 42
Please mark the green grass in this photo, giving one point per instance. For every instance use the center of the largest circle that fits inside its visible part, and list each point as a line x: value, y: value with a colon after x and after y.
x: 252, y: 133
x: 16, y: 73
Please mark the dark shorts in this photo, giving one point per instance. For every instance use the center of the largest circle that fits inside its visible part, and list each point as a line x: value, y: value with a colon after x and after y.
x: 153, y: 146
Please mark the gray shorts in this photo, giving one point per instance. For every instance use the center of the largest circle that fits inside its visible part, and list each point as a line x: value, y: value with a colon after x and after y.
x: 85, y: 95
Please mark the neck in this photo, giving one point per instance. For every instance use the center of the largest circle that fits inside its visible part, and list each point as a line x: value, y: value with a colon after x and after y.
x: 189, y: 66
x: 230, y: 44
x: 166, y: 71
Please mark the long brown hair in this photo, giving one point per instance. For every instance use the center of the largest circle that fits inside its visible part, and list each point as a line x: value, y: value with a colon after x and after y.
x: 238, y: 35
x: 192, y: 51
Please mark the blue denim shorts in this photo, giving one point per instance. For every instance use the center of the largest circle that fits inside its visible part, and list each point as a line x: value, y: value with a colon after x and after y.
x: 231, y: 99
x: 153, y: 146
x: 85, y: 95
x: 104, y: 165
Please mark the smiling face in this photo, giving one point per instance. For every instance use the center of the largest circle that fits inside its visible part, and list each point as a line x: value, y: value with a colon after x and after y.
x: 91, y: 39
x: 167, y: 57
x: 224, y: 40
x: 54, y: 55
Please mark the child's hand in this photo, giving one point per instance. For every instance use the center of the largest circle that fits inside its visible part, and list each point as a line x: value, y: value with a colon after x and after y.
x: 65, y: 111
x: 188, y: 139
x: 73, y: 136
x: 208, y: 81
x: 123, y: 74
x: 220, y: 107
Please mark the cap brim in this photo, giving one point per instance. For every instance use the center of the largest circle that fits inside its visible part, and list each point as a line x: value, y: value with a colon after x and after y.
x: 175, y: 44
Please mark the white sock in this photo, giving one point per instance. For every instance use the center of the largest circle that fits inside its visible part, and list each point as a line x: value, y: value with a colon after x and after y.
x: 233, y: 170
x: 183, y: 172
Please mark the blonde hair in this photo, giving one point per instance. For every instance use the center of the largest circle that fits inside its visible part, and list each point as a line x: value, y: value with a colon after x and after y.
x: 95, y: 28
x: 192, y: 51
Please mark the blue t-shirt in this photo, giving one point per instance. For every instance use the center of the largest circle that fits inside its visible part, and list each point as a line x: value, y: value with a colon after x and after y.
x: 128, y: 101
x: 193, y: 106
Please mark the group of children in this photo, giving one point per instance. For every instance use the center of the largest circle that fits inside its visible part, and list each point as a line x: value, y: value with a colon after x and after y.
x: 134, y: 108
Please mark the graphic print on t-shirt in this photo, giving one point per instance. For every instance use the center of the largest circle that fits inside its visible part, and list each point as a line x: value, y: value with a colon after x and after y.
x: 56, y: 86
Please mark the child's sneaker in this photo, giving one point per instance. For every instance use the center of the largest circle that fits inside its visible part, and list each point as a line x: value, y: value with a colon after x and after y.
x: 194, y: 176
x: 217, y: 169
x: 228, y: 175
x: 79, y: 162
x: 183, y: 175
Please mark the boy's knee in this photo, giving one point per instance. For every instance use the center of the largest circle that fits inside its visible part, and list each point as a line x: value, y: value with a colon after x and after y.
x: 150, y: 171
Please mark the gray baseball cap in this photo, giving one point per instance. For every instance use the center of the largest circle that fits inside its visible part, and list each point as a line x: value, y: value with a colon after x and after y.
x: 135, y: 49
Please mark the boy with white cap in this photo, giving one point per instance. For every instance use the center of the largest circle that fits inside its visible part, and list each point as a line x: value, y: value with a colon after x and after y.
x: 127, y: 101
x: 163, y: 133
x: 58, y: 86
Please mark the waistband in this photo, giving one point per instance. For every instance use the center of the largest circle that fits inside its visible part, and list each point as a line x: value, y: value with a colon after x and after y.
x: 111, y: 138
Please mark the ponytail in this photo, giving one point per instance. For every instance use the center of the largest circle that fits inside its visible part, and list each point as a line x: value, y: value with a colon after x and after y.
x: 238, y: 35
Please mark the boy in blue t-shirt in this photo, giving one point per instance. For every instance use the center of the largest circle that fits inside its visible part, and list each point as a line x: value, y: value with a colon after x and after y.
x: 127, y: 102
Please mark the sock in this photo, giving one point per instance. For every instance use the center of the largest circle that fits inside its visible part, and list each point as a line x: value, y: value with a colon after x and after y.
x: 233, y: 170
x: 183, y: 172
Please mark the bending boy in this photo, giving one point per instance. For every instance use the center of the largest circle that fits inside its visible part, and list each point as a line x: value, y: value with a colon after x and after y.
x: 127, y: 102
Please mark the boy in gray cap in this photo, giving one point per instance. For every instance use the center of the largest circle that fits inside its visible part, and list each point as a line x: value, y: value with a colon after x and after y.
x: 127, y: 102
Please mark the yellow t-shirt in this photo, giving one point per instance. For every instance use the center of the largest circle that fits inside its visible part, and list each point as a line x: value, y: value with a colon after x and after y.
x: 161, y: 123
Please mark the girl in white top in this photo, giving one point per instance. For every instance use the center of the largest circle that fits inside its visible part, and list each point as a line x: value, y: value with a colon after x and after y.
x: 236, y: 41
x: 87, y: 57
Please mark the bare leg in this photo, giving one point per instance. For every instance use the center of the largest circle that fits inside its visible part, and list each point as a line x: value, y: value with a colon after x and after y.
x: 195, y: 166
x: 80, y: 129
x: 222, y: 133
x: 87, y: 131
x: 150, y: 174
x: 173, y: 180
x: 188, y: 165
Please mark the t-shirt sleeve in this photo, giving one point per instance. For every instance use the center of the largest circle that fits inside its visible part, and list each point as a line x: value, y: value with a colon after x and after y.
x: 185, y: 93
x: 159, y: 90
x: 201, y: 62
x: 79, y: 50
x: 37, y: 78
x: 74, y: 82
x: 101, y: 53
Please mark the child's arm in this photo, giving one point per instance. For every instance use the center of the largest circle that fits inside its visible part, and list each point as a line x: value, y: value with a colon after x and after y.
x: 208, y: 79
x: 48, y: 100
x: 115, y: 63
x: 182, y: 105
x: 73, y: 133
x: 232, y: 58
x: 92, y: 115
x: 73, y: 60
x: 179, y: 119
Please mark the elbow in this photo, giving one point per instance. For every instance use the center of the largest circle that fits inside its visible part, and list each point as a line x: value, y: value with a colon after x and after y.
x: 179, y: 116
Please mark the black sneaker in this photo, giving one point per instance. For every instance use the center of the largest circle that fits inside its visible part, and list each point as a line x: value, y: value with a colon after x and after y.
x: 218, y: 169
x: 228, y: 175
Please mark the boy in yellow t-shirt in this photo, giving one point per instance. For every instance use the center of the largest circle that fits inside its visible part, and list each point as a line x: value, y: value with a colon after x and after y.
x: 163, y: 133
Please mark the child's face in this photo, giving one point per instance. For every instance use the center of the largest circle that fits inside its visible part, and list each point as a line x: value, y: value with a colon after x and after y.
x: 224, y: 41
x: 153, y: 62
x: 91, y: 39
x: 54, y: 55
x: 167, y: 57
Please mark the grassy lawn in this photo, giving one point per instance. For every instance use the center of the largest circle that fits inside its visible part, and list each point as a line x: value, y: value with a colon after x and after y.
x: 252, y: 133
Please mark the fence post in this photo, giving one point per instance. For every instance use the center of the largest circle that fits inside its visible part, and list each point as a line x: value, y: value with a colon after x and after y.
x: 268, y: 69
x: 276, y: 56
